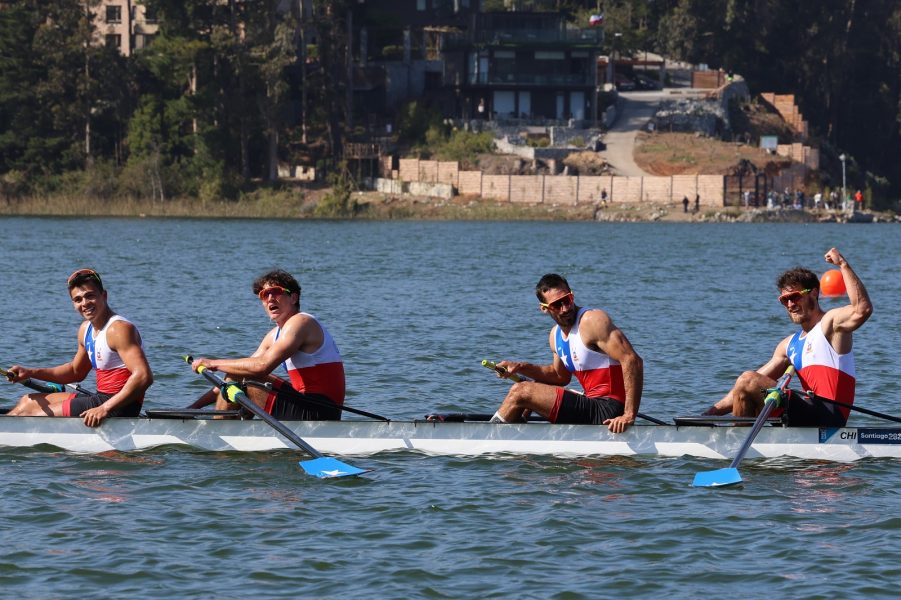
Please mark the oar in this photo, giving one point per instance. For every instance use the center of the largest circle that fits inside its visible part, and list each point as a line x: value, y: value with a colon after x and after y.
x: 730, y: 476
x: 47, y: 387
x: 268, y: 386
x: 514, y: 377
x: 321, y: 466
x: 861, y: 409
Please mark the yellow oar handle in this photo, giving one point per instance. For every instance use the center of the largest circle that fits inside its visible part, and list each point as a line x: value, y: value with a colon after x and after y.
x: 490, y: 364
x: 776, y: 393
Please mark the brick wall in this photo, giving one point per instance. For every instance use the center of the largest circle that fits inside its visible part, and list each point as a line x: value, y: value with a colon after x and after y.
x: 527, y: 188
x: 590, y: 188
x: 496, y: 187
x: 448, y: 172
x: 560, y: 189
x: 563, y: 189
x: 469, y: 182
x: 710, y: 187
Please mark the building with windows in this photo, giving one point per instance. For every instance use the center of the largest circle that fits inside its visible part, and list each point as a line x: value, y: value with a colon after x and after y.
x: 490, y: 65
x: 124, y: 24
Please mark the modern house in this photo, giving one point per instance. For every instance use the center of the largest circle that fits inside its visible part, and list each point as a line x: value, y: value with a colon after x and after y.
x: 490, y: 65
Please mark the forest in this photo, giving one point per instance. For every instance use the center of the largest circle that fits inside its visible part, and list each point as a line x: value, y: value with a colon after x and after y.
x: 229, y: 87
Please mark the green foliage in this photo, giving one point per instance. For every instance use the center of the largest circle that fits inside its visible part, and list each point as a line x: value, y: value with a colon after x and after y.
x: 462, y: 145
x: 338, y: 202
x: 414, y: 120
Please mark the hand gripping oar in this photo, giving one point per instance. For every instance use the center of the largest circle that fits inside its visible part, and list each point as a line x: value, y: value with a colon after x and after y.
x: 321, y: 466
x: 47, y: 387
x: 514, y: 377
x: 730, y: 476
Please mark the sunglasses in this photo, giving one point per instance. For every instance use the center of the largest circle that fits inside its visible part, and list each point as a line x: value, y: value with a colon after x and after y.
x: 84, y: 273
x: 561, y: 302
x: 273, y: 291
x: 793, y: 296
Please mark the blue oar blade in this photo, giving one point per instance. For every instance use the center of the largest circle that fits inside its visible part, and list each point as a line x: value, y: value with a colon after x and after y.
x: 717, y: 478
x: 325, y: 467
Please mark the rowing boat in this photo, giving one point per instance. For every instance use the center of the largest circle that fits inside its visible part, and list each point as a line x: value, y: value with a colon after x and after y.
x: 350, y: 437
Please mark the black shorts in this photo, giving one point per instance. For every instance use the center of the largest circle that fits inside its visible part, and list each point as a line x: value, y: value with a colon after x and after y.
x: 573, y: 408
x: 78, y: 403
x: 287, y: 404
x: 803, y: 410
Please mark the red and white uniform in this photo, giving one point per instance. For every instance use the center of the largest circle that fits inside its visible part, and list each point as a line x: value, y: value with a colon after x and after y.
x: 821, y: 369
x: 321, y: 372
x: 599, y: 374
x: 108, y: 365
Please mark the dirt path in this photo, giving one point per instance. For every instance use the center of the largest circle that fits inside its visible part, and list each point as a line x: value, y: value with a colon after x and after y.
x: 636, y: 109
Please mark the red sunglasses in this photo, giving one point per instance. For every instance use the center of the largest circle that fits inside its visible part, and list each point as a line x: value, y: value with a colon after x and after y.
x: 560, y: 303
x: 276, y: 291
x: 793, y: 296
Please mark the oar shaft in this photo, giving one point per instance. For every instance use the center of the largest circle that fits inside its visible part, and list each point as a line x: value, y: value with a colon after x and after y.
x: 769, y: 403
x: 233, y: 393
x: 317, y: 402
x: 860, y: 409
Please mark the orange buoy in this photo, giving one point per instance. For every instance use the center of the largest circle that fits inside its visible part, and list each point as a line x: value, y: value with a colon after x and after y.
x: 832, y: 283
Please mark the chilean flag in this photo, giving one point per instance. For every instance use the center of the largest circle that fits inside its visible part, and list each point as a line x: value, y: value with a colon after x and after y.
x: 595, y: 20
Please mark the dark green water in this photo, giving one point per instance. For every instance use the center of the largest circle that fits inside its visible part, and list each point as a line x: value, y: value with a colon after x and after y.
x: 414, y: 307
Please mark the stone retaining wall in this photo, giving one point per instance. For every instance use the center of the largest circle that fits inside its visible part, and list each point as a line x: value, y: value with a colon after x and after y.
x: 562, y: 189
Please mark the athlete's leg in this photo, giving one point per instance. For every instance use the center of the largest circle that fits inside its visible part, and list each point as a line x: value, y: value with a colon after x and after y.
x: 40, y: 405
x: 749, y: 392
x: 525, y: 397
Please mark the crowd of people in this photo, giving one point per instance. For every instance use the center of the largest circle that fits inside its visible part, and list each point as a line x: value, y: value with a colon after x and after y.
x: 798, y: 200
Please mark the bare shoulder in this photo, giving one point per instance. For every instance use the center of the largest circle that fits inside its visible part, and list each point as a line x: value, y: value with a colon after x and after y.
x: 122, y: 333
x: 301, y: 321
x: 596, y: 319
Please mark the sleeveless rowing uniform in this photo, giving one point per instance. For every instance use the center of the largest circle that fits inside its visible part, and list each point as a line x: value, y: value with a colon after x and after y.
x: 821, y: 369
x: 600, y: 376
x: 321, y: 372
x: 110, y: 371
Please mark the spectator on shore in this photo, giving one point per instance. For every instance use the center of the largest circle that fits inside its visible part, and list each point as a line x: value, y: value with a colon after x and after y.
x: 818, y: 200
x: 858, y: 201
x: 685, y: 204
x: 833, y: 200
x: 697, y: 202
x: 604, y: 196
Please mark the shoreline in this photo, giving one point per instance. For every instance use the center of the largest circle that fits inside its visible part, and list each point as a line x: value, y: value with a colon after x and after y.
x: 376, y: 206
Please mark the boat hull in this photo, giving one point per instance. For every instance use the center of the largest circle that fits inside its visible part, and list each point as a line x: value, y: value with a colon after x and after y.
x: 464, y: 439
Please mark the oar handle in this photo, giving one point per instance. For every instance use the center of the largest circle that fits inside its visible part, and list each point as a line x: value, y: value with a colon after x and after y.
x: 233, y: 393
x: 47, y: 387
x: 490, y: 364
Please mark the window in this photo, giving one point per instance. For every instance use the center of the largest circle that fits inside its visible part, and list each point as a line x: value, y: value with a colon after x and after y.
x: 421, y: 5
x: 113, y: 40
x: 113, y: 14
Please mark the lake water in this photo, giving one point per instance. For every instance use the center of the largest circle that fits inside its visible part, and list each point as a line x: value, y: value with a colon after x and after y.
x: 414, y: 307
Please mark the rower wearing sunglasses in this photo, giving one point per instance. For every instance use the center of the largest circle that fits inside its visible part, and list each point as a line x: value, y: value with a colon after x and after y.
x: 587, y: 344
x: 108, y: 343
x: 820, y: 352
x: 299, y: 343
